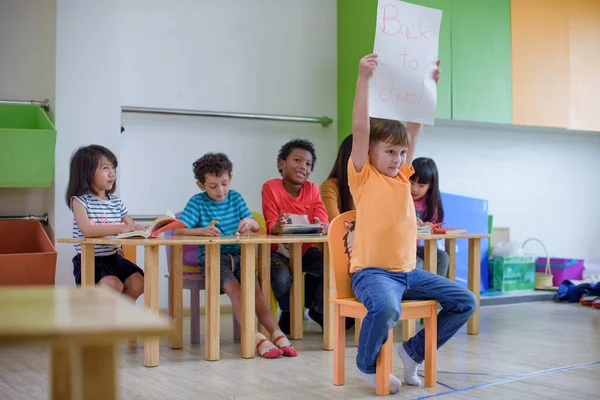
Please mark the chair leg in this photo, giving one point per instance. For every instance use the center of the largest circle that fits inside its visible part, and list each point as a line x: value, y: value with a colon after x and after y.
x: 195, y: 313
x: 132, y: 345
x: 384, y: 367
x: 431, y: 348
x: 339, y: 346
x: 236, y: 329
x: 273, y: 304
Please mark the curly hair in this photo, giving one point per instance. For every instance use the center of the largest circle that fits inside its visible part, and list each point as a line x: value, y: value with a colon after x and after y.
x: 212, y: 163
x: 287, y: 148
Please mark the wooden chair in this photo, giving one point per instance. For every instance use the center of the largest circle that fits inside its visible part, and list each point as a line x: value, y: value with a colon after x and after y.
x: 341, y: 235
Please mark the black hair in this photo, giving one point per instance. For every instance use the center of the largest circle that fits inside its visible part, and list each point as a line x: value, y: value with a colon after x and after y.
x: 426, y: 172
x: 84, y: 163
x: 287, y: 148
x: 340, y: 173
x: 212, y: 163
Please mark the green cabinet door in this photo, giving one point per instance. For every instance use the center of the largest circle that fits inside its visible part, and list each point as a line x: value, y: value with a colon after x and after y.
x: 481, y: 61
x: 355, y: 38
x: 356, y: 22
x: 444, y: 88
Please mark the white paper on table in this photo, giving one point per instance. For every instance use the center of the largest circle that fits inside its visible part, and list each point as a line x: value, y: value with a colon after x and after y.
x: 406, y: 42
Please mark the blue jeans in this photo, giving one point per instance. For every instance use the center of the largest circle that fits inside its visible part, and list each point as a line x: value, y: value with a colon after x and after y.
x: 382, y: 292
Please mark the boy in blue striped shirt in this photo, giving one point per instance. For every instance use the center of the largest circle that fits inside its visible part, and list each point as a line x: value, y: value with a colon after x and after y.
x: 217, y: 211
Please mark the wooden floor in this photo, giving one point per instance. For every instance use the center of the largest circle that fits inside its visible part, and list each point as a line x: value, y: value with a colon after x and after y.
x: 524, y: 351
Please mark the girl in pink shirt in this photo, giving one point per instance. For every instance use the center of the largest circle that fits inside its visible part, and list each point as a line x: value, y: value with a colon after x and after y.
x: 425, y: 191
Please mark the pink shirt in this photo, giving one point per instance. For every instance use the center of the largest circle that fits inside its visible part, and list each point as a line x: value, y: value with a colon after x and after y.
x: 421, y: 209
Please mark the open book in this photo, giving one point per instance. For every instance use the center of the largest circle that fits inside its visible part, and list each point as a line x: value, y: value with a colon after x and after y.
x: 161, y: 224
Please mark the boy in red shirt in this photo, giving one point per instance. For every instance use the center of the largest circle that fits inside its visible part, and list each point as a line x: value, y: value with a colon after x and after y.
x: 294, y: 195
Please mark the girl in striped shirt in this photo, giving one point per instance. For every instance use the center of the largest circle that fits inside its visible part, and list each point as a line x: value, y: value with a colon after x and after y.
x: 96, y: 213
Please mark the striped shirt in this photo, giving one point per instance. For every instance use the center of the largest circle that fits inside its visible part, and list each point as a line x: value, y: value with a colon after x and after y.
x: 201, y: 210
x: 100, y: 212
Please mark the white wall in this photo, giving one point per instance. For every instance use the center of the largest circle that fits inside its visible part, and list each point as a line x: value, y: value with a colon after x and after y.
x: 87, y: 97
x: 259, y: 56
x: 27, y: 69
x: 541, y: 183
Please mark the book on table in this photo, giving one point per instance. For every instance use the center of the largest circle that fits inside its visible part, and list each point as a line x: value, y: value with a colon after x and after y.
x: 158, y: 226
x: 436, y: 229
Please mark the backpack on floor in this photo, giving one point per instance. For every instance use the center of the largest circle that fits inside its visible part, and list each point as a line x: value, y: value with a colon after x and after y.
x: 570, y: 292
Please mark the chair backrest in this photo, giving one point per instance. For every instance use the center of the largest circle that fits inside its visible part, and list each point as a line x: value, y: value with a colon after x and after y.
x: 261, y: 221
x: 130, y: 253
x: 340, y: 238
x: 190, y: 254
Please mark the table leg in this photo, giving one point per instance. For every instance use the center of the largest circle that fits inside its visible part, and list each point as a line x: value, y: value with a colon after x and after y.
x: 87, y: 265
x: 408, y: 329
x: 151, y: 301
x: 328, y: 336
x: 176, y: 296
x: 248, y: 278
x: 357, y: 326
x: 451, y: 250
x: 296, y: 303
x: 212, y: 292
x: 61, y: 381
x: 430, y: 261
x: 474, y: 282
x: 99, y: 370
x: 429, y: 264
x: 264, y: 262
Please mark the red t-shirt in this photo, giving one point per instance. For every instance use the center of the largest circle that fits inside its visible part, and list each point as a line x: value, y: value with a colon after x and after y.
x: 276, y: 200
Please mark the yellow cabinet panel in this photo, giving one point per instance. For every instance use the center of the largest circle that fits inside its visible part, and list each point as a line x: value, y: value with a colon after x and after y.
x: 585, y: 61
x: 540, y: 62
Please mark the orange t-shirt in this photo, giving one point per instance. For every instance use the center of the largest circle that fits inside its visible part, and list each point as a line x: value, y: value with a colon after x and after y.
x: 386, y: 223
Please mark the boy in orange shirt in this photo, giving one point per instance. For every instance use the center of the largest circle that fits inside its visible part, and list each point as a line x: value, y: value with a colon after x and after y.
x: 383, y: 259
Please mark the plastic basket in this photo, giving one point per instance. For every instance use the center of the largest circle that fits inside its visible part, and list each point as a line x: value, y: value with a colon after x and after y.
x: 512, y: 273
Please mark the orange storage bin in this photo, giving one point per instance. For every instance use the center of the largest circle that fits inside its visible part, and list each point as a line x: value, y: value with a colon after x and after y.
x: 27, y: 256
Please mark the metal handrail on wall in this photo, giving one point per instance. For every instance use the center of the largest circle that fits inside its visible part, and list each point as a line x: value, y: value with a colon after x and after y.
x: 43, y: 218
x: 44, y: 104
x: 325, y: 121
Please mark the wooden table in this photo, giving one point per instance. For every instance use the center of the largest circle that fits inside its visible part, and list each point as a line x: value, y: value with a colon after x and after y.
x: 83, y: 326
x: 474, y: 274
x: 296, y: 304
x: 212, y: 284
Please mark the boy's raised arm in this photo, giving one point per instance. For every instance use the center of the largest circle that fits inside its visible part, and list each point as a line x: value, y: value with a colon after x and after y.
x: 360, y: 112
x: 414, y: 128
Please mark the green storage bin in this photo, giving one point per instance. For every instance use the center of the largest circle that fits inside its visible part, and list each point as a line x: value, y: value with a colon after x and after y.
x: 512, y: 273
x: 27, y: 141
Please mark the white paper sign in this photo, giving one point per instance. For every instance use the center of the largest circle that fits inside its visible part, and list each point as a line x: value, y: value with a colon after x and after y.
x: 406, y: 42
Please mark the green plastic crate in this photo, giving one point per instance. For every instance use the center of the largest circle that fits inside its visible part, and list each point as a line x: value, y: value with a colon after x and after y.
x: 27, y: 141
x: 512, y: 273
